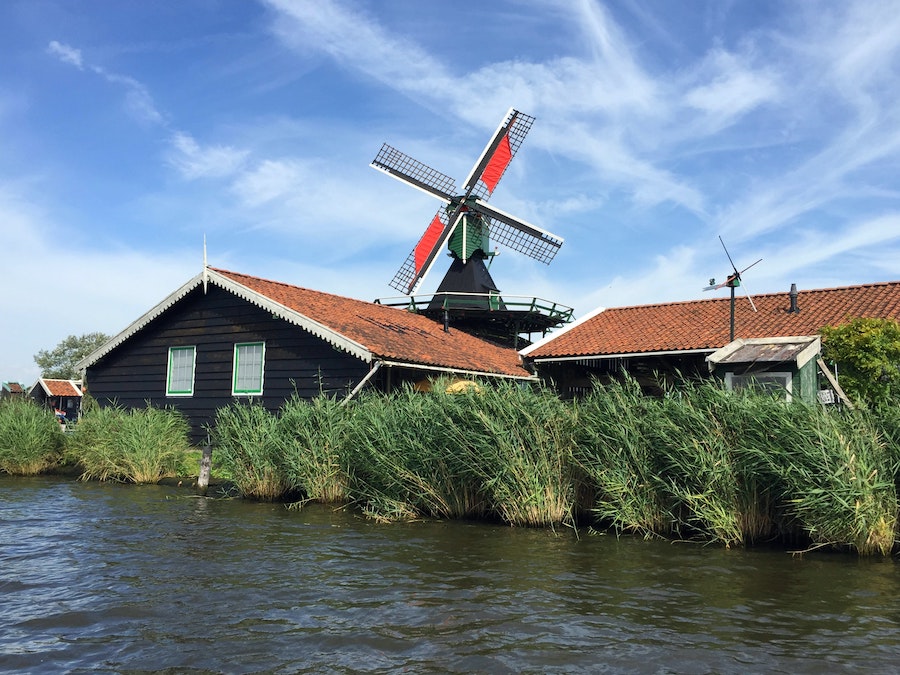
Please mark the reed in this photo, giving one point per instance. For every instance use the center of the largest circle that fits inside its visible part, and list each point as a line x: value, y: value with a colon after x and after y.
x: 523, y: 439
x: 246, y: 443
x: 409, y: 460
x: 30, y: 438
x: 141, y: 445
x: 700, y: 432
x: 619, y: 461
x: 838, y: 480
x: 313, y: 442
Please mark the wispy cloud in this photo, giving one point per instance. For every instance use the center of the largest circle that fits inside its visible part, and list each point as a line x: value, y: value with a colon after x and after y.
x: 66, y: 54
x: 138, y: 100
x: 193, y: 161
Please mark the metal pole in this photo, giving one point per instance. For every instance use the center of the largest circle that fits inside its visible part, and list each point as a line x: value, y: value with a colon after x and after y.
x: 732, y: 312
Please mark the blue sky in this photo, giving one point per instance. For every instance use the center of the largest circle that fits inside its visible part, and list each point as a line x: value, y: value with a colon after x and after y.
x: 131, y: 129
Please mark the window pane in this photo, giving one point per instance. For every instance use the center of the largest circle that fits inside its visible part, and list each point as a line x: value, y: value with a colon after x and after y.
x: 181, y: 371
x: 248, y: 365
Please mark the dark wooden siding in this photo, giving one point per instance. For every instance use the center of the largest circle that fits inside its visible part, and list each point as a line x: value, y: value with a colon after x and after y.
x: 134, y: 374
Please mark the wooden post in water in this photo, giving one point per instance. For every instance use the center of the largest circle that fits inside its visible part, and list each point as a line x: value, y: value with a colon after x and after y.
x: 205, y: 464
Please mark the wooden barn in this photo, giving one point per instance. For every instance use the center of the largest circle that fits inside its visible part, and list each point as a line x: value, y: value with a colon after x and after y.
x: 660, y: 341
x: 225, y: 336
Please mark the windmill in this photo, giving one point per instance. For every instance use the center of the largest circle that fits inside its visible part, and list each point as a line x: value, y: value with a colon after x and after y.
x: 732, y: 282
x: 468, y: 227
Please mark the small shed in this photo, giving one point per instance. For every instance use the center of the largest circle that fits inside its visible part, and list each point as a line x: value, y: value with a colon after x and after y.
x: 782, y: 365
x: 11, y: 390
x: 61, y: 396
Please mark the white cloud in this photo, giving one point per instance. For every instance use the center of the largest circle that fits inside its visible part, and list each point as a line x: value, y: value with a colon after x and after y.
x: 193, y: 161
x: 66, y: 54
x: 273, y: 180
x: 730, y: 91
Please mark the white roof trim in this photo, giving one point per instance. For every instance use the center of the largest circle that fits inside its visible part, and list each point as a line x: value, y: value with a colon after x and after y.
x: 562, y: 331
x: 138, y: 324
x: 211, y: 276
x: 624, y: 355
x: 43, y: 382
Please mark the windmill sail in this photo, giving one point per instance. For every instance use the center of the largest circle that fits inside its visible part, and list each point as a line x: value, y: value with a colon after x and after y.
x: 408, y: 170
x: 498, y: 153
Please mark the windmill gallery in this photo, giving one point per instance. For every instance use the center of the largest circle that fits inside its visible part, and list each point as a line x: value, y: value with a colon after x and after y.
x: 225, y: 336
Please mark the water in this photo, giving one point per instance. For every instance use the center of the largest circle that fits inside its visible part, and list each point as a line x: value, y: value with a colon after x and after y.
x: 110, y: 578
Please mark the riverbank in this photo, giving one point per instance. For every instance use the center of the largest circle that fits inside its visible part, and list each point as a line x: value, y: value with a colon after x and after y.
x: 700, y: 464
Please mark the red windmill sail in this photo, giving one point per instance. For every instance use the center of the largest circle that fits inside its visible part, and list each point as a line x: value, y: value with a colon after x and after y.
x: 427, y: 243
x: 499, y: 161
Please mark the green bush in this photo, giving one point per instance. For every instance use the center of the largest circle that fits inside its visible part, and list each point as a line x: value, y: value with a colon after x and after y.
x: 30, y: 438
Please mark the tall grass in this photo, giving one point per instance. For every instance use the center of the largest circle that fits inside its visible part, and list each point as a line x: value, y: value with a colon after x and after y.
x: 409, y: 457
x: 30, y: 438
x: 616, y: 453
x: 699, y: 463
x: 247, y: 445
x: 312, y: 441
x: 837, y: 478
x: 738, y: 468
x: 140, y: 445
x: 523, y: 439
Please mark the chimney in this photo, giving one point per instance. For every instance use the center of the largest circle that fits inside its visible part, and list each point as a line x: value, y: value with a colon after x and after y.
x: 793, y: 295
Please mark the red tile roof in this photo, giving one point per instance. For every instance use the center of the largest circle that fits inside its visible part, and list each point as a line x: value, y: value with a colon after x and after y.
x: 60, y: 387
x: 704, y: 324
x: 387, y: 332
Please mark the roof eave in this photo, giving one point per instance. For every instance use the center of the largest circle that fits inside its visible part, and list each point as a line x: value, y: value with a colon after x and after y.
x: 621, y: 355
x: 457, y: 371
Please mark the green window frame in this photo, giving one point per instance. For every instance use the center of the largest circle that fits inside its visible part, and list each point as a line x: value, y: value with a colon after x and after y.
x: 180, y: 371
x: 249, y: 365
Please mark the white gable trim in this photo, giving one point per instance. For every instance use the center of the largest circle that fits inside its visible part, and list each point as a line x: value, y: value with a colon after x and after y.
x: 211, y: 276
x: 562, y: 331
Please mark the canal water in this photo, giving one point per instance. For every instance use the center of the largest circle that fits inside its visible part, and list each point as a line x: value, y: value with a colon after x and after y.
x: 134, y: 579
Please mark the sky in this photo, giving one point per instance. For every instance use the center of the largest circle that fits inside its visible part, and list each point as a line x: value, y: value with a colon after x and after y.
x: 132, y: 130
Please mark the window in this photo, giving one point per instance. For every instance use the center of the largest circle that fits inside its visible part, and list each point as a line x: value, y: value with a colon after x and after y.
x: 772, y: 383
x: 249, y: 359
x: 180, y: 378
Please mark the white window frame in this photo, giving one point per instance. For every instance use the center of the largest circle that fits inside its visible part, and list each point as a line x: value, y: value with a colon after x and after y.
x: 170, y: 391
x: 783, y: 378
x: 235, y: 391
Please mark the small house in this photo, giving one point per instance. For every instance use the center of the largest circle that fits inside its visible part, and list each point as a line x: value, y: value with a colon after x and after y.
x: 11, y: 390
x: 784, y: 366
x: 61, y: 396
x: 225, y: 336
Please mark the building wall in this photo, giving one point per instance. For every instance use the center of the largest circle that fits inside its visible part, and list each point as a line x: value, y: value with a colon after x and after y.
x: 134, y: 374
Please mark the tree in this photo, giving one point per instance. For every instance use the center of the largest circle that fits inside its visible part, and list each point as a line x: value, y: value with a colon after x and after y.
x: 59, y: 363
x: 867, y: 354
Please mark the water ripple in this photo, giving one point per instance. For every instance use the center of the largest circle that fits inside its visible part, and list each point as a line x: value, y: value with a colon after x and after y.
x: 125, y: 579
